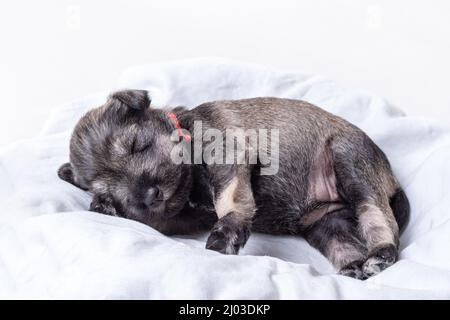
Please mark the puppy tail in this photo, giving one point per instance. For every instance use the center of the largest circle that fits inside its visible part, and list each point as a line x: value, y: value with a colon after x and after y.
x: 400, y: 206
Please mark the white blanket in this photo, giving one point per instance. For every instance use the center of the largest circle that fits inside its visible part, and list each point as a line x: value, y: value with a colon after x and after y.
x: 51, y: 247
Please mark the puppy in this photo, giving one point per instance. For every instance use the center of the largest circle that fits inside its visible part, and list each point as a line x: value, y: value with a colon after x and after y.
x: 317, y: 176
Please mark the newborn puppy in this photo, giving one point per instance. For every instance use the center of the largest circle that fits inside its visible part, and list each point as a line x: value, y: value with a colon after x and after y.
x: 316, y: 176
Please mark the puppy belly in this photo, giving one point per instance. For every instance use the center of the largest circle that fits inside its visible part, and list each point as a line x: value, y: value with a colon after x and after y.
x: 295, y: 206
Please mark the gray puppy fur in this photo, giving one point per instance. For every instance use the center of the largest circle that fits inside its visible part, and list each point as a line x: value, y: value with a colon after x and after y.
x: 334, y: 186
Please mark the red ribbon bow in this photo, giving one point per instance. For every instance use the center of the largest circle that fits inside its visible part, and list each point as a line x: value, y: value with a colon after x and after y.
x: 172, y: 116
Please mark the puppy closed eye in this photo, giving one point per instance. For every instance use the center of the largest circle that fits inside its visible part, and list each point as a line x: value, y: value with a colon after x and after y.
x: 139, y: 146
x: 124, y: 146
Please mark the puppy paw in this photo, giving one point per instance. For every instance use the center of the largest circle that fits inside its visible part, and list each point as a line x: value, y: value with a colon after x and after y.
x: 353, y: 270
x: 103, y: 204
x: 379, y: 260
x: 65, y: 172
x: 228, y: 236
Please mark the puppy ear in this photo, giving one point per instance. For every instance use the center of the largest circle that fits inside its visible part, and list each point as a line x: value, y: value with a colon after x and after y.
x: 135, y: 99
x: 65, y: 172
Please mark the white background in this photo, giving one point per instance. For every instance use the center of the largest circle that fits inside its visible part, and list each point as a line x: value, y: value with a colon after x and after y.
x: 55, y: 51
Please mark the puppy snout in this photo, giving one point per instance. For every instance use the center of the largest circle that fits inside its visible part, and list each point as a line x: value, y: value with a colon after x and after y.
x: 149, y: 199
x: 153, y: 197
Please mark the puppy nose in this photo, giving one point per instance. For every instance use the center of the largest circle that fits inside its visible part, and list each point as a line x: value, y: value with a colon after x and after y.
x: 152, y: 197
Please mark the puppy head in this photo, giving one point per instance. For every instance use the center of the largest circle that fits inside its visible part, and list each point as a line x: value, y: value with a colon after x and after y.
x: 120, y: 152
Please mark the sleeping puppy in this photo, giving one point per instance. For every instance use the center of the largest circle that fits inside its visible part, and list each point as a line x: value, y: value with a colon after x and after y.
x: 302, y: 171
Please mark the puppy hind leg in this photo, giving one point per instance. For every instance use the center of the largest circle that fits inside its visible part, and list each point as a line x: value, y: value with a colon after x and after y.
x: 366, y: 183
x: 336, y: 237
x: 378, y: 228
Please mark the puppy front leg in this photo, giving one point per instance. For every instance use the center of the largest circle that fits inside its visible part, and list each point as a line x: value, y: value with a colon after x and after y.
x: 103, y: 203
x: 235, y: 208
